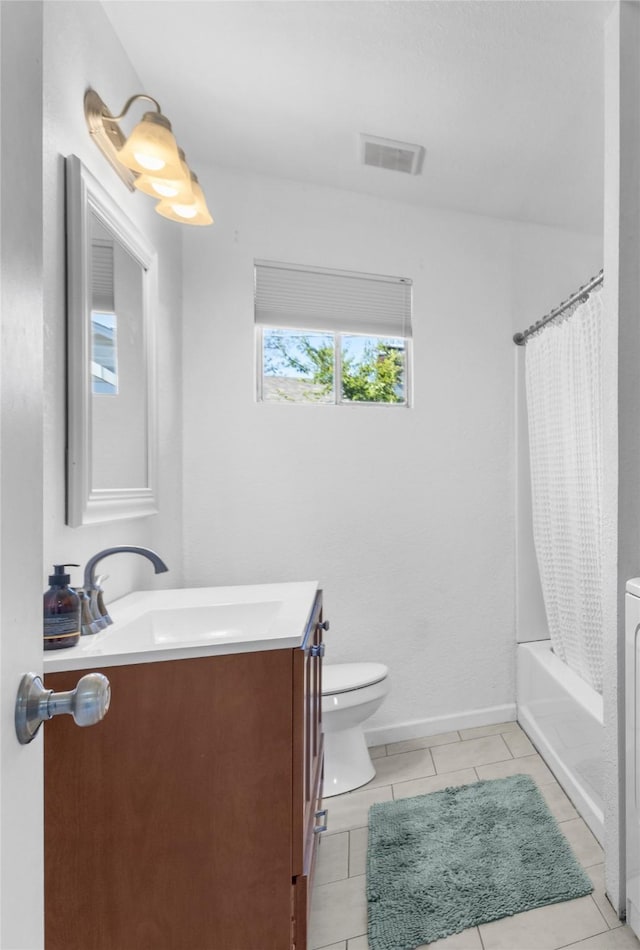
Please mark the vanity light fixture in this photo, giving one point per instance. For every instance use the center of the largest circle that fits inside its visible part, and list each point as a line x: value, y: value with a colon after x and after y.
x: 193, y: 211
x: 149, y: 160
x: 177, y: 189
x: 151, y: 146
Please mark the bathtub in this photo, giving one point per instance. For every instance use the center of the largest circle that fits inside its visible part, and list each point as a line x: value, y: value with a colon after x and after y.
x: 562, y: 715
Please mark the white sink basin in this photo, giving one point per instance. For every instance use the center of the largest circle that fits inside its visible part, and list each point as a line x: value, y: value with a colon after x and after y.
x: 157, y: 625
x: 198, y: 624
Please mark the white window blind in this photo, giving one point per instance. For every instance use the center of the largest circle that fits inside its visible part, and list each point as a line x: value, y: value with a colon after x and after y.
x: 305, y: 298
x: 102, y: 292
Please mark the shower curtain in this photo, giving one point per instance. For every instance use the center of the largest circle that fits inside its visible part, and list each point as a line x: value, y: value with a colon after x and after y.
x: 564, y: 404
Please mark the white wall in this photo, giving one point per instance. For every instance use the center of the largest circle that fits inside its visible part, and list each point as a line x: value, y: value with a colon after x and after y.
x: 81, y: 50
x: 404, y: 516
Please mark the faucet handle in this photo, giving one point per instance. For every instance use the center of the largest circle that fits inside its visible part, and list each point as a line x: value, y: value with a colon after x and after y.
x: 100, y: 612
x: 90, y: 619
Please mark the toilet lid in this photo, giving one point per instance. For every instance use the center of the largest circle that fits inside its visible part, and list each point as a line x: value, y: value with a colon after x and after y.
x: 340, y: 677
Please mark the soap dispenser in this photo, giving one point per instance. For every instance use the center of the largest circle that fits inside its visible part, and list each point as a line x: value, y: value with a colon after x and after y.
x: 61, y: 611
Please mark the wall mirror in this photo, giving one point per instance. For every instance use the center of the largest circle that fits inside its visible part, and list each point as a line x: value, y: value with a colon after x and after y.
x: 111, y: 438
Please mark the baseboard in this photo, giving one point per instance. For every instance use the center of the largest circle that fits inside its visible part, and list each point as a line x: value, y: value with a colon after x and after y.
x: 417, y: 728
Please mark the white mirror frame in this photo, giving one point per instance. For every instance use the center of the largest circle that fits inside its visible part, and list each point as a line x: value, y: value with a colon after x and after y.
x: 85, y: 504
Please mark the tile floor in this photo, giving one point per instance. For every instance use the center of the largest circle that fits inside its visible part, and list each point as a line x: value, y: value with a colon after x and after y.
x: 418, y: 766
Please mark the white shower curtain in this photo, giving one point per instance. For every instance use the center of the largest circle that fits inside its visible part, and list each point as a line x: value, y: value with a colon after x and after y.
x: 564, y: 403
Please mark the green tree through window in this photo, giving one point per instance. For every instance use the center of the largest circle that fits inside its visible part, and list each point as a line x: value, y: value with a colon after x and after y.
x: 377, y: 375
x: 301, y: 367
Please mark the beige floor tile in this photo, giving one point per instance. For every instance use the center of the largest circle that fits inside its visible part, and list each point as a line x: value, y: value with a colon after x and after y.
x: 499, y: 727
x: 559, y: 805
x: 596, y: 873
x: 338, y: 912
x: 427, y: 742
x: 358, y: 851
x: 402, y: 767
x: 377, y: 751
x: 623, y: 938
x: 546, y: 928
x: 471, y: 752
x: 528, y: 765
x: 467, y: 940
x: 333, y: 858
x: 518, y: 744
x: 352, y: 810
x: 583, y: 843
x: 433, y: 783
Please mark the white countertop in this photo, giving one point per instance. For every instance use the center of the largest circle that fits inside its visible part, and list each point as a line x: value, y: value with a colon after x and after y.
x: 153, y: 626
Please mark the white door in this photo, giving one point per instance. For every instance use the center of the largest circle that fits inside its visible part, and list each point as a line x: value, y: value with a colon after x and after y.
x: 21, y: 461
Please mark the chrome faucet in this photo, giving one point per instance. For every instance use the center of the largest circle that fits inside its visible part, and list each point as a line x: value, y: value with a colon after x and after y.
x: 95, y: 616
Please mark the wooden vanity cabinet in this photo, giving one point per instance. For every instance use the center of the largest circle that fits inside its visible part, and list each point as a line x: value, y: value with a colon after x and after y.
x: 308, y: 746
x: 186, y: 819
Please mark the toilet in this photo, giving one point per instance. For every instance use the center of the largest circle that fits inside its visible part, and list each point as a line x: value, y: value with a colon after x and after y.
x: 351, y: 693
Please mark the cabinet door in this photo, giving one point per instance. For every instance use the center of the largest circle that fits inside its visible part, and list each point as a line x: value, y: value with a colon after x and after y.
x: 168, y: 825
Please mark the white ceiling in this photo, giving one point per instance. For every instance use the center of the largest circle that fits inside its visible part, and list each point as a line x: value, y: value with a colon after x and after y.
x: 506, y: 97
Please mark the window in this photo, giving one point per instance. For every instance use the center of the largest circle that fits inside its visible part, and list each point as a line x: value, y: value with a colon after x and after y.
x: 331, y: 337
x: 104, y: 325
x: 104, y: 354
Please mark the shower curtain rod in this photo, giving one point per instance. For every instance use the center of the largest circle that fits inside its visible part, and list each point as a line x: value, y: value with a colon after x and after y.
x: 579, y: 297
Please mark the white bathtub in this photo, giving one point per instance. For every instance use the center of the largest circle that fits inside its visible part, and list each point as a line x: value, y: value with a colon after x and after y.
x: 562, y: 715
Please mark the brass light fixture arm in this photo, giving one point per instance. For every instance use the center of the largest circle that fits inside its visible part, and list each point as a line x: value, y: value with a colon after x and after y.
x: 106, y: 132
x: 129, y: 103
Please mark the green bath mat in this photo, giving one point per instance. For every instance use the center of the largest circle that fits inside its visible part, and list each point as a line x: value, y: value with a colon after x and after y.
x: 439, y: 863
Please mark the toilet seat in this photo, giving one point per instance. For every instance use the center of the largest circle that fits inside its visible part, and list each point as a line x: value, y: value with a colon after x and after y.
x: 344, y: 677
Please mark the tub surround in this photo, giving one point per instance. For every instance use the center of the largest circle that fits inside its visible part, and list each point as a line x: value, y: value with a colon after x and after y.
x: 563, y: 716
x: 160, y: 625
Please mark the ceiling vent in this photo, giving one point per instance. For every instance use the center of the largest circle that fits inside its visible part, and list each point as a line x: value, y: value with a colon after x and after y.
x: 394, y: 156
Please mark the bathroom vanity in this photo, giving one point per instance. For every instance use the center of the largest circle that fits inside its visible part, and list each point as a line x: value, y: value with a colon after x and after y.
x: 189, y: 816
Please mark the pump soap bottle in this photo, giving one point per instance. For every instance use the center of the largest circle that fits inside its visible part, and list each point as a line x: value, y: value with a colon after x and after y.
x: 61, y: 611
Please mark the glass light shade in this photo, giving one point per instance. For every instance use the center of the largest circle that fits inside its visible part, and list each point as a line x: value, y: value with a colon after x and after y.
x: 191, y: 212
x: 152, y: 149
x: 178, y: 190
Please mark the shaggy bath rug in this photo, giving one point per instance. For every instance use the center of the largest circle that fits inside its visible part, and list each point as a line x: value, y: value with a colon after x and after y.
x: 439, y: 863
